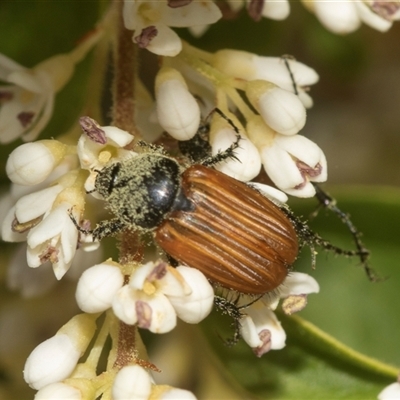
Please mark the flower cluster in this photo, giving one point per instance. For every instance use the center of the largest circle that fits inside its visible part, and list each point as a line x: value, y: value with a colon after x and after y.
x: 155, y: 295
x: 151, y: 22
x: 54, y: 370
x: 275, y: 87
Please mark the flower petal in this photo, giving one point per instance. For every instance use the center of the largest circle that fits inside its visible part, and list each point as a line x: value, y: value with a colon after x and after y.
x: 196, y: 306
x: 198, y: 12
x: 297, y: 283
x: 166, y: 43
x: 36, y: 204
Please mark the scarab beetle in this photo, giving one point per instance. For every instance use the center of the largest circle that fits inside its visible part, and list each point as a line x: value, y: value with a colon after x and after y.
x: 202, y: 218
x: 238, y: 238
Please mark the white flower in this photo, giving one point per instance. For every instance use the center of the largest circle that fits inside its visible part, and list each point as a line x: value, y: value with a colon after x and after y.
x: 337, y: 16
x: 391, y: 392
x: 292, y: 162
x: 27, y: 103
x: 376, y: 15
x: 284, y: 72
x: 177, y: 109
x: 260, y: 328
x: 277, y: 10
x: 281, y: 109
x: 54, y: 359
x: 97, y: 287
x: 151, y: 21
x: 58, y: 391
x: 99, y: 146
x: 193, y: 307
x: 177, y: 394
x: 247, y: 162
x: 132, y: 383
x: 157, y: 294
x: 32, y: 163
x: 346, y: 16
x: 54, y: 239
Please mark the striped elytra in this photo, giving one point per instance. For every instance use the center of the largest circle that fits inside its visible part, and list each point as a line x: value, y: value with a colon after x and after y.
x: 237, y: 237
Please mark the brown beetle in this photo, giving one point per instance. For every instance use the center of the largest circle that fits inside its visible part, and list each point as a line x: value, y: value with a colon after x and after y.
x: 237, y: 237
x: 203, y: 218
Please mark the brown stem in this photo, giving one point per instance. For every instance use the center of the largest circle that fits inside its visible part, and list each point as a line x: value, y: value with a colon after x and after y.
x: 125, y: 337
x: 126, y: 346
x: 125, y: 66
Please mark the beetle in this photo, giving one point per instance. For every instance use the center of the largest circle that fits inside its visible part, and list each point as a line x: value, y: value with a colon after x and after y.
x: 238, y: 238
x: 202, y: 218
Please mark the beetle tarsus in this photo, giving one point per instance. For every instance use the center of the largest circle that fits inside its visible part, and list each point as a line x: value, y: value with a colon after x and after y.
x: 230, y: 308
x: 362, y: 252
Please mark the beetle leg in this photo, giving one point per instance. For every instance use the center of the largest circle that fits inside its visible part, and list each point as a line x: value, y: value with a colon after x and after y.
x: 313, y: 239
x: 108, y: 227
x: 286, y: 59
x: 103, y: 229
x: 230, y: 151
x: 231, y: 309
x: 198, y: 148
x: 152, y: 147
x: 330, y: 203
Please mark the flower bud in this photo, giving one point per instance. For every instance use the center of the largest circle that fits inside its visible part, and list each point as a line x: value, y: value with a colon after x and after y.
x: 337, y: 16
x: 176, y: 394
x: 249, y: 67
x: 247, y: 163
x: 58, y: 391
x: 51, y: 361
x: 32, y: 163
x: 270, y: 192
x: 177, y: 109
x: 98, y: 286
x: 55, y: 359
x: 277, y: 10
x: 196, y: 306
x: 281, y: 110
x: 131, y: 383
